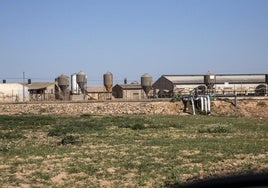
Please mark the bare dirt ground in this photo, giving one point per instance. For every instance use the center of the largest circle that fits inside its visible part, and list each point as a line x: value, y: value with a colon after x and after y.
x: 245, y: 108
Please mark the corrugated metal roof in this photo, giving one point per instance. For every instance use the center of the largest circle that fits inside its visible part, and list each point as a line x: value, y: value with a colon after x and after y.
x: 220, y: 78
x: 96, y: 89
x: 39, y: 85
x: 130, y: 86
x: 185, y: 79
x: 240, y: 78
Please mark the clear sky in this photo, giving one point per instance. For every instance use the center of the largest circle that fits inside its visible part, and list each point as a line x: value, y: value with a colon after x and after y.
x: 46, y: 38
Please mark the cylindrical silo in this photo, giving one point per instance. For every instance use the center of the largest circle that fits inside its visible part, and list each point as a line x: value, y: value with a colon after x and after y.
x: 74, y: 85
x: 209, y: 80
x: 63, y: 82
x: 108, y: 81
x: 81, y: 79
x: 146, y: 83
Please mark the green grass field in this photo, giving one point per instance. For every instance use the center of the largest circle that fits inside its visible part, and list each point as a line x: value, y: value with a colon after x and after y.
x: 127, y: 151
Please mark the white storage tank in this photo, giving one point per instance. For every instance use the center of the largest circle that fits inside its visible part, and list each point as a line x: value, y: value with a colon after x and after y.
x: 74, y: 85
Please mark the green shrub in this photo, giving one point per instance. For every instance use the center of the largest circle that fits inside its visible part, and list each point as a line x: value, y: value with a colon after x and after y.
x: 176, y: 98
x: 86, y: 116
x: 11, y: 135
x: 215, y: 128
x: 138, y: 126
x: 69, y: 139
x: 58, y: 131
x: 4, y: 149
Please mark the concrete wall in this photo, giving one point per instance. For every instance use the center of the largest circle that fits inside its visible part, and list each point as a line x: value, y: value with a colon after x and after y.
x: 133, y: 94
x: 240, y: 89
x: 128, y: 94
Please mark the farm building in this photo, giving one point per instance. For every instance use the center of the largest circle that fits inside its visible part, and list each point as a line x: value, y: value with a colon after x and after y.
x: 41, y: 91
x: 36, y: 91
x: 13, y: 92
x: 97, y: 93
x: 131, y: 91
x: 241, y: 84
x: 168, y: 85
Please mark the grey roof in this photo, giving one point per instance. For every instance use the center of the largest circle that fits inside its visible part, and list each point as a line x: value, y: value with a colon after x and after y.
x: 240, y: 78
x: 130, y: 86
x: 185, y: 79
x: 220, y: 78
x: 96, y: 89
x: 39, y: 85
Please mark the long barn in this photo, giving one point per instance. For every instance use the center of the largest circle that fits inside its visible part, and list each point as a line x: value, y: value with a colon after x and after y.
x: 240, y: 84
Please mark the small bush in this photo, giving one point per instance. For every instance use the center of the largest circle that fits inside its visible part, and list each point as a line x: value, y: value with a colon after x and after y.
x: 176, y: 125
x: 176, y: 98
x: 69, y: 139
x: 11, y: 135
x: 60, y: 130
x: 138, y: 127
x: 86, y: 116
x: 215, y: 128
x: 56, y: 132
x: 4, y: 149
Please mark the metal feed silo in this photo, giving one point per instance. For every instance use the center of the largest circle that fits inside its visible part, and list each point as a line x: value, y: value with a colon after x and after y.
x: 209, y: 80
x: 146, y: 83
x: 108, y: 81
x: 81, y: 79
x: 63, y: 82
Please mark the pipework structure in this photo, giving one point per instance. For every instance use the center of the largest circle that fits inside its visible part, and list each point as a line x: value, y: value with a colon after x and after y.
x: 201, y: 102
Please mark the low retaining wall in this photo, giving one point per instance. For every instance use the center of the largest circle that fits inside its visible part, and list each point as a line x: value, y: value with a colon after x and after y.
x: 250, y: 108
x: 93, y: 108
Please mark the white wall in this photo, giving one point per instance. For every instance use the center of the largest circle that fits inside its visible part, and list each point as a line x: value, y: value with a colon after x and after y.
x: 13, y: 92
x: 226, y: 88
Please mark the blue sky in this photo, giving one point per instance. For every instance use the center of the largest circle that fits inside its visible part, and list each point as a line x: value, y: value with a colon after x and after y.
x: 131, y: 37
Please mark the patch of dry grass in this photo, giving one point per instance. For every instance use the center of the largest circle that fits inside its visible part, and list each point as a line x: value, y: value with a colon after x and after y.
x: 127, y: 151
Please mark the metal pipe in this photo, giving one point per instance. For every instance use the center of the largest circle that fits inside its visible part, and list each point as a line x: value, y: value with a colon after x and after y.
x: 202, y: 103
x: 193, y: 108
x: 23, y: 88
x: 208, y: 98
x: 235, y: 101
x: 205, y: 103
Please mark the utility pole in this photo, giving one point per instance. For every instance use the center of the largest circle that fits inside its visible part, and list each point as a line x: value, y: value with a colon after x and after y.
x: 23, y: 92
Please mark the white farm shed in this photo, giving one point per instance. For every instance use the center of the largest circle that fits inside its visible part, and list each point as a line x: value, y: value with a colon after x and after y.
x: 240, y: 84
x: 13, y: 92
